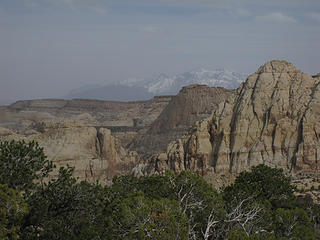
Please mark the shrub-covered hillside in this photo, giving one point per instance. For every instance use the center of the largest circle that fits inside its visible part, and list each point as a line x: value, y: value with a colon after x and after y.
x: 259, y: 205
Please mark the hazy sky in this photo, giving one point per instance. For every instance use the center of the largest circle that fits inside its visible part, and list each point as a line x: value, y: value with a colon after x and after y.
x: 48, y: 47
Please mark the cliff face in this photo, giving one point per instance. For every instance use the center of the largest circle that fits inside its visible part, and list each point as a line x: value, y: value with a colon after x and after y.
x: 272, y: 118
x: 95, y: 154
x: 125, y: 119
x: 193, y: 103
x: 89, y: 135
x: 94, y: 112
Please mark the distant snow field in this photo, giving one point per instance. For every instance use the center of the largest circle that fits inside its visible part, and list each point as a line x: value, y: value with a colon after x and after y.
x: 141, y: 89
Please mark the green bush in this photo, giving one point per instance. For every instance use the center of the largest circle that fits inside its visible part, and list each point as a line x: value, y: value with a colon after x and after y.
x: 12, y: 210
x: 23, y: 164
x: 259, y: 205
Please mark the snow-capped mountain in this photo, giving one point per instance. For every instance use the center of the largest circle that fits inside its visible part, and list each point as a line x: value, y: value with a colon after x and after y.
x: 164, y: 84
x: 141, y: 89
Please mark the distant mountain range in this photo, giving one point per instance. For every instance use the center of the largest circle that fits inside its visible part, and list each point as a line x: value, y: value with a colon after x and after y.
x: 140, y: 89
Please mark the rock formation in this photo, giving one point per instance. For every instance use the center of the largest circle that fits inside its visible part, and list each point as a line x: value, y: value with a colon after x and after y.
x: 193, y: 103
x: 272, y: 118
x: 95, y: 154
x: 89, y: 135
x: 103, y: 113
x: 125, y: 119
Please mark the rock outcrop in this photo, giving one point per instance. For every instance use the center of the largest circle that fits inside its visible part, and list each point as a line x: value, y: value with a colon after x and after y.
x: 125, y: 119
x: 193, y: 103
x: 272, y: 118
x: 103, y: 113
x: 94, y: 152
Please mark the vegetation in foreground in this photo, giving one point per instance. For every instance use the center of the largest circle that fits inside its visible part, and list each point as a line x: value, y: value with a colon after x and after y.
x: 259, y: 205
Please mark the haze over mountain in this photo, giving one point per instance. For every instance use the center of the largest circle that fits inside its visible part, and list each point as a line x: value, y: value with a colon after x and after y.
x: 140, y: 89
x: 272, y: 118
x: 50, y: 47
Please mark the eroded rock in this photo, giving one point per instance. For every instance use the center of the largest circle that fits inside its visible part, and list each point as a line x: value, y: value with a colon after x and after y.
x: 95, y: 153
x: 272, y: 118
x: 193, y: 103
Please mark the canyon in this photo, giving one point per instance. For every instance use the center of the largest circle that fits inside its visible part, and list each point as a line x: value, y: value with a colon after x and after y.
x: 272, y: 118
x: 89, y: 135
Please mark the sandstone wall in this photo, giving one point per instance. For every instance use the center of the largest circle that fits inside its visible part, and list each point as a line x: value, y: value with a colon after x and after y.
x: 272, y: 118
x: 126, y: 119
x: 193, y: 103
x: 94, y: 152
x: 100, y: 113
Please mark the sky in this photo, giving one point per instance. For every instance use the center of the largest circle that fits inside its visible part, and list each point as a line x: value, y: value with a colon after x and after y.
x: 48, y: 47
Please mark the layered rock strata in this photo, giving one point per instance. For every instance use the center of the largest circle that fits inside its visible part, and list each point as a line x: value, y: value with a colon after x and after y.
x: 272, y: 118
x: 125, y: 119
x: 193, y: 103
x: 94, y: 152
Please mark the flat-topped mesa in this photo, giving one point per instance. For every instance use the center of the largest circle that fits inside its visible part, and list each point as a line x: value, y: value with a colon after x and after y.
x: 272, y: 118
x: 124, y: 118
